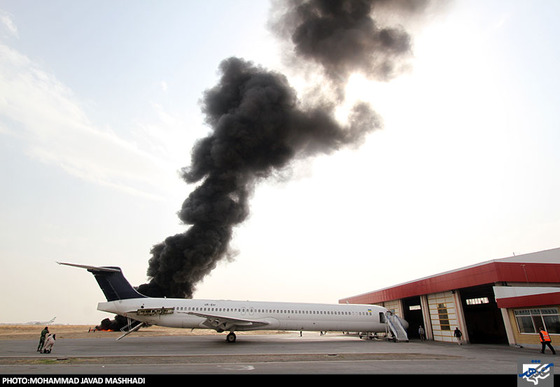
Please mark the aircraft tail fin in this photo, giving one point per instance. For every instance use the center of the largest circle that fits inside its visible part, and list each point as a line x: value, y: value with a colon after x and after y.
x: 111, y: 281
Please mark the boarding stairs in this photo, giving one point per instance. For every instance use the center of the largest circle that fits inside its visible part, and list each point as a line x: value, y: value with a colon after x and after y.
x: 132, y: 326
x: 396, y: 327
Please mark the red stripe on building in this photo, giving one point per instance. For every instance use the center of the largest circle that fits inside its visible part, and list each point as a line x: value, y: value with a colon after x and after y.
x: 529, y: 301
x: 488, y: 273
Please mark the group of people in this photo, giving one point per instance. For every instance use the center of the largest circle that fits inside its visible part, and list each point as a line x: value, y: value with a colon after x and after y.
x: 457, y: 333
x: 545, y: 339
x: 46, y: 341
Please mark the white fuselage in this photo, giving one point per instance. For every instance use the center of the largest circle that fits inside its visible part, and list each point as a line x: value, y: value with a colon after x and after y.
x: 251, y: 315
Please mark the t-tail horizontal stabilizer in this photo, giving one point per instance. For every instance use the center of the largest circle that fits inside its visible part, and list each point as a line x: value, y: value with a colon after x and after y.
x: 111, y: 281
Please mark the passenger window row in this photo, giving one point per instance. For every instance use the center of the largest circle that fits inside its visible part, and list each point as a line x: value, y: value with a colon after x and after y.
x: 272, y: 311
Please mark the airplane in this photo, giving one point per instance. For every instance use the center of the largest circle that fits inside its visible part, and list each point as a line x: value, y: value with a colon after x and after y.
x: 41, y: 322
x: 232, y: 316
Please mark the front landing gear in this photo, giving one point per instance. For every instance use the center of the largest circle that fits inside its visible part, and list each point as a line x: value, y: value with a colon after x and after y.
x: 230, y: 338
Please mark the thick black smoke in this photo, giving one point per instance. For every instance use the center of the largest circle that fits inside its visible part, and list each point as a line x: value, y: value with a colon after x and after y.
x: 345, y: 37
x: 112, y: 325
x: 259, y: 126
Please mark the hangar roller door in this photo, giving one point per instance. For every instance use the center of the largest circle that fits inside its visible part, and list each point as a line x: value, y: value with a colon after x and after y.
x: 484, y: 320
x: 412, y: 313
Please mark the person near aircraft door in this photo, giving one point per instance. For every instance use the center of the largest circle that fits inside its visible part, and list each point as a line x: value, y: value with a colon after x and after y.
x: 546, y: 340
x: 44, y: 334
x: 49, y: 343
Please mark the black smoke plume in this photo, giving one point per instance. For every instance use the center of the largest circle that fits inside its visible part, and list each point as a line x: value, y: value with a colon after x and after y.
x: 112, y: 325
x: 259, y: 126
x: 345, y: 37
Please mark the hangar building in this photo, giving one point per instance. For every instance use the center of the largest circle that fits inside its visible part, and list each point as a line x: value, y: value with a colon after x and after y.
x: 498, y: 301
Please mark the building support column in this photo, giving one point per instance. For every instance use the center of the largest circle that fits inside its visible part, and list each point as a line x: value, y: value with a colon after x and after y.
x: 426, y: 317
x: 460, y: 315
x: 508, y: 325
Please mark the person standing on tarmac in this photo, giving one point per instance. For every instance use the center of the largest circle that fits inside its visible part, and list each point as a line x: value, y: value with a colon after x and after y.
x: 458, y: 335
x: 421, y: 333
x: 545, y: 340
x: 44, y: 334
x: 49, y: 343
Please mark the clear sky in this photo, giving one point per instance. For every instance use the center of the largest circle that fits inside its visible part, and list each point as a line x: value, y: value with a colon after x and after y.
x: 99, y: 109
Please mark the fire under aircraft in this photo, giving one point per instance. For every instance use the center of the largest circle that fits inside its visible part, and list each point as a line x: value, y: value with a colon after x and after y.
x: 226, y: 315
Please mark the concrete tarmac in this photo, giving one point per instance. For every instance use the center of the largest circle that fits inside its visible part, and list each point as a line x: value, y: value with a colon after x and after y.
x: 261, y: 354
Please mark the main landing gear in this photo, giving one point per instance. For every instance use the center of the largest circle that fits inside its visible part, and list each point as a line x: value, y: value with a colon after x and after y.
x: 230, y: 338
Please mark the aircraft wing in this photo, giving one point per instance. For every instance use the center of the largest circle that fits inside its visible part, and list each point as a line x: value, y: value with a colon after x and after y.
x: 224, y: 323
